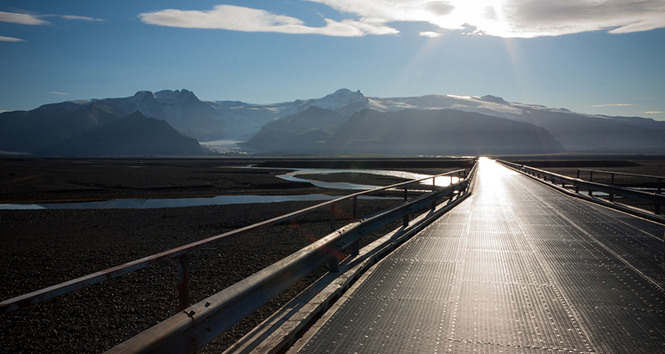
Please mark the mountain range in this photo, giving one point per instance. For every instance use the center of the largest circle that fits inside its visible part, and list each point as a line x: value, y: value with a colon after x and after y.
x: 340, y: 123
x: 133, y: 135
x: 404, y: 132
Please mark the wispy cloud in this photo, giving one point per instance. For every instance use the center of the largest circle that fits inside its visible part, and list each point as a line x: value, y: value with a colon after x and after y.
x: 245, y: 19
x: 83, y: 18
x: 10, y: 39
x: 59, y: 93
x: 653, y: 112
x: 23, y: 19
x: 36, y: 20
x: 613, y: 105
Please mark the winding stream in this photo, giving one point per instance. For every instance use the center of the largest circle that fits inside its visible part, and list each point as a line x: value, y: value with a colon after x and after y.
x: 240, y: 199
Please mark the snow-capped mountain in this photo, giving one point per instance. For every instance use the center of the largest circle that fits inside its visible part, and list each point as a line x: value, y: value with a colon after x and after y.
x: 576, y: 131
x: 404, y: 132
x: 180, y: 108
x: 244, y: 120
x: 207, y: 121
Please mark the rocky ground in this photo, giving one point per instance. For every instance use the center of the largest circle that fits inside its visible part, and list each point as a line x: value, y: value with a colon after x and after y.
x: 46, y: 247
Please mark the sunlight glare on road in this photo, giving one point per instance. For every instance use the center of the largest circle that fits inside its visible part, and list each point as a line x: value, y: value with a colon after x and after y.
x: 491, y: 179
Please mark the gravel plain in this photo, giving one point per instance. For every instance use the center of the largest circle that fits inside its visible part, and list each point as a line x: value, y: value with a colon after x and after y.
x: 40, y: 248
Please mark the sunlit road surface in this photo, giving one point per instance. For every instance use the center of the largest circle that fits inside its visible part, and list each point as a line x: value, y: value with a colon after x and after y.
x: 516, y: 268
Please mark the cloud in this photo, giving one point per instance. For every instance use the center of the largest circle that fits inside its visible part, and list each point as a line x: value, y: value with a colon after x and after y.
x: 430, y: 34
x: 10, y: 39
x: 59, y: 93
x: 83, y: 18
x: 613, y: 105
x: 23, y: 19
x: 35, y: 20
x: 236, y: 18
x: 530, y: 18
x: 513, y: 18
x: 504, y: 18
x: 653, y: 112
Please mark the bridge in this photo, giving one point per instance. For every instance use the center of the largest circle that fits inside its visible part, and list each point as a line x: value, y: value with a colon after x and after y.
x: 516, y: 268
x: 505, y: 263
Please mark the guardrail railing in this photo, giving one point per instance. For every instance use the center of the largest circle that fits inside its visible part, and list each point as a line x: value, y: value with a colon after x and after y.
x: 656, y: 198
x: 182, y: 254
x: 191, y: 329
x: 659, y: 179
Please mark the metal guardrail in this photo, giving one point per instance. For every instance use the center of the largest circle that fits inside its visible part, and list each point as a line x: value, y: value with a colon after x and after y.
x: 656, y: 198
x: 182, y: 254
x: 197, y: 325
x: 612, y: 174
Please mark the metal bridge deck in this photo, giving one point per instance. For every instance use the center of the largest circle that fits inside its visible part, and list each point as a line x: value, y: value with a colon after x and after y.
x: 516, y: 268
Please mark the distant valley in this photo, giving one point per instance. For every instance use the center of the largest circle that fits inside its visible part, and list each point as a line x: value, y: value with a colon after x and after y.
x: 169, y: 123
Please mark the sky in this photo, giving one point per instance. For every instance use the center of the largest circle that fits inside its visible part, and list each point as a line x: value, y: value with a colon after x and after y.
x: 589, y: 56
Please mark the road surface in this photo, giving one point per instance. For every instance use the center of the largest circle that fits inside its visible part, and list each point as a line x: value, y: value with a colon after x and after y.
x: 516, y: 268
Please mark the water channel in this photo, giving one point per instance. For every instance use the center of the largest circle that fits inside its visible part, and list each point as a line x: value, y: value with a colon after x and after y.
x: 240, y: 199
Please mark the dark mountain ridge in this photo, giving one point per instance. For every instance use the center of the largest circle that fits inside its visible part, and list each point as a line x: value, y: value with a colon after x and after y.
x: 48, y: 125
x: 440, y: 132
x: 306, y: 131
x: 133, y: 135
x: 406, y: 132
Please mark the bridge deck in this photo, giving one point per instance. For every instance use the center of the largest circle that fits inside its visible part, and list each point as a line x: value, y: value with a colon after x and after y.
x: 517, y: 268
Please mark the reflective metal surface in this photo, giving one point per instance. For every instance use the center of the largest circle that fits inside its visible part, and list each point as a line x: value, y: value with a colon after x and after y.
x: 516, y: 268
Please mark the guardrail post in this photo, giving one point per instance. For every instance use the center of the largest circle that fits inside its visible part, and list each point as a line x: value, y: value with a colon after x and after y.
x: 657, y: 208
x: 332, y: 217
x: 333, y: 264
x: 434, y: 188
x: 659, y: 191
x: 405, y: 220
x: 355, y: 248
x: 612, y: 183
x: 355, y: 208
x: 183, y: 281
x: 578, y: 174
